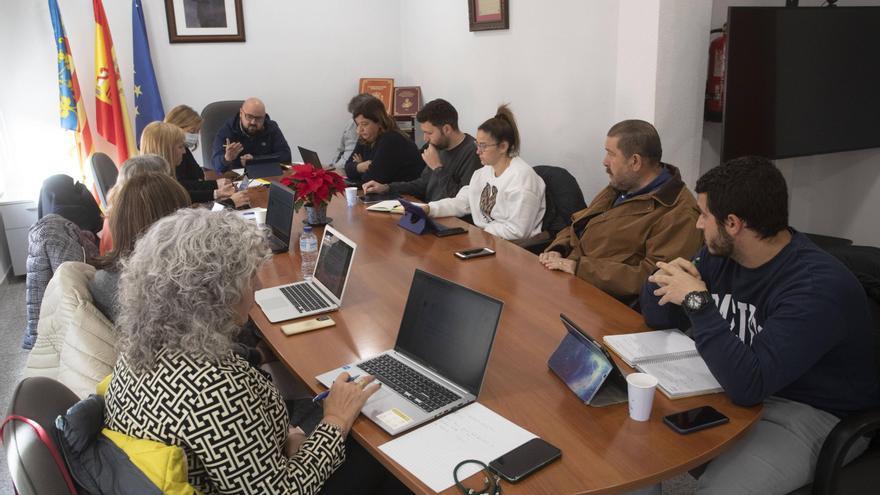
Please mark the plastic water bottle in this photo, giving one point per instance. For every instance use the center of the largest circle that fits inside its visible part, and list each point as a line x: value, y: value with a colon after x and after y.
x: 308, y: 249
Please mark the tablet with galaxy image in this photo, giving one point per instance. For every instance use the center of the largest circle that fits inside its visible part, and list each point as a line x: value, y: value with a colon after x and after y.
x: 586, y: 368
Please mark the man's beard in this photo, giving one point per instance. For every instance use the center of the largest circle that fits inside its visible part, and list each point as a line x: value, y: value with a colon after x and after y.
x: 721, y: 245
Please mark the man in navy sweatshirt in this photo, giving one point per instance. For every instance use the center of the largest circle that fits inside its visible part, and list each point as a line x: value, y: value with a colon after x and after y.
x: 778, y: 321
x: 247, y: 134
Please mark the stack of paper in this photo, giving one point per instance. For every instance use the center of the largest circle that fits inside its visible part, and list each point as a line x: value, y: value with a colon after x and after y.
x: 473, y: 432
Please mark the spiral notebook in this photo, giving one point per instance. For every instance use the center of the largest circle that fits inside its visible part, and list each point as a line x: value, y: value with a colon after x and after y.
x: 671, y: 357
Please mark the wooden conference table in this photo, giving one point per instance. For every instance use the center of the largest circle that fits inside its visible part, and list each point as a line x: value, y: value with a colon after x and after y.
x: 603, y: 451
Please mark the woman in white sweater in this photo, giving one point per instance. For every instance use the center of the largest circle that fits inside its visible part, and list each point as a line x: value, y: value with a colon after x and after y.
x: 506, y: 196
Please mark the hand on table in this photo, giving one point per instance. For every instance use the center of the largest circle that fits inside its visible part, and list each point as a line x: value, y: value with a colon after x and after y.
x: 240, y: 198
x: 346, y: 399
x: 375, y: 187
x: 676, y: 279
x: 554, y: 261
x: 224, y: 189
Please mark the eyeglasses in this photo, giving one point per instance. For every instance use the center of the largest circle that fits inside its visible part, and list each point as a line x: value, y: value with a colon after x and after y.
x: 481, y: 147
x: 254, y: 118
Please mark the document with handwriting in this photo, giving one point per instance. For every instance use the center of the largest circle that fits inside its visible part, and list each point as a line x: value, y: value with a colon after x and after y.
x: 473, y: 432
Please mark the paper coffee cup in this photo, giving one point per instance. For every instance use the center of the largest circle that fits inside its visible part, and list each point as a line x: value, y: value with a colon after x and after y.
x: 260, y: 216
x: 640, y: 387
x: 351, y: 195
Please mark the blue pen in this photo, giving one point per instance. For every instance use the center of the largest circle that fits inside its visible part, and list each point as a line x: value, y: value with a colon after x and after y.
x: 323, y: 395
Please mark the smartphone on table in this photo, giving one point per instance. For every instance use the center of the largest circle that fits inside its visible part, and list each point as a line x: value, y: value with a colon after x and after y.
x: 474, y: 253
x: 695, y: 419
x: 525, y: 459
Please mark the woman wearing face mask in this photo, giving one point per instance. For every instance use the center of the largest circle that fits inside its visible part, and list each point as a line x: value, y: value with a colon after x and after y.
x: 188, y: 172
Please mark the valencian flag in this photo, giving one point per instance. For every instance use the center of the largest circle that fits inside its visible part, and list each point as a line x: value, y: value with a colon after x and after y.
x: 73, y: 113
x: 110, y: 110
x: 147, y: 102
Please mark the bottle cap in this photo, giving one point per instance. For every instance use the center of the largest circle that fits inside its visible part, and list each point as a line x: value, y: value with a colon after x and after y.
x: 307, y: 228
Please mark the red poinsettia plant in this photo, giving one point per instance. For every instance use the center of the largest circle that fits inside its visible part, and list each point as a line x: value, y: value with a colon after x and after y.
x: 313, y: 186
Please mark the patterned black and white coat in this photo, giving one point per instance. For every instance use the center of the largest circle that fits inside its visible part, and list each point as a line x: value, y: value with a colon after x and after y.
x: 229, y: 419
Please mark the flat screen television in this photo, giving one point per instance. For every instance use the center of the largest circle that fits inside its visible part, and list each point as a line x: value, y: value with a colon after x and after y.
x: 801, y: 81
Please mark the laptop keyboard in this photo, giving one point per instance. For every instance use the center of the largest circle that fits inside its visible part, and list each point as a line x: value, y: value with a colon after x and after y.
x: 418, y: 389
x: 304, y: 297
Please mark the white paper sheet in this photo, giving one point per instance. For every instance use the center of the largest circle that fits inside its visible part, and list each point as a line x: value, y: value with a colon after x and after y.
x: 473, y: 432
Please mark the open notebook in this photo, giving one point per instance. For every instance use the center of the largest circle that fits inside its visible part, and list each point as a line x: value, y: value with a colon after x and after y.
x: 671, y: 357
x: 388, y: 206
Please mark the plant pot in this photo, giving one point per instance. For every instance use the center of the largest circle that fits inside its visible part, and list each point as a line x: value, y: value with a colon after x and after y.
x: 316, y: 215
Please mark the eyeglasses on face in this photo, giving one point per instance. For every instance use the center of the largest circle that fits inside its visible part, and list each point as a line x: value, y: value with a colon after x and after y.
x: 481, y: 147
x: 254, y: 118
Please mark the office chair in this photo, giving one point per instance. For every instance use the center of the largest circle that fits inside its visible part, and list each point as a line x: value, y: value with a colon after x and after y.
x: 105, y: 173
x: 563, y: 198
x: 213, y: 117
x: 857, y: 477
x: 29, y: 437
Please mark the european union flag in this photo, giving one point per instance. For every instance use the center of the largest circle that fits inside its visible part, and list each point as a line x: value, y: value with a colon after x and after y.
x: 147, y: 102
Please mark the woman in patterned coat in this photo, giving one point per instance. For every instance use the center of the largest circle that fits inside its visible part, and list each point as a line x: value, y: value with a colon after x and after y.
x: 183, y: 295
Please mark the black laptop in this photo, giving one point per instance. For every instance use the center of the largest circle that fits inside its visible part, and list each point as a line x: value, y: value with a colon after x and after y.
x: 279, y: 217
x: 263, y: 166
x: 310, y: 156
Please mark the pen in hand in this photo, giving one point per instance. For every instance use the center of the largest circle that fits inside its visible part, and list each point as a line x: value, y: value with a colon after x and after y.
x: 323, y: 395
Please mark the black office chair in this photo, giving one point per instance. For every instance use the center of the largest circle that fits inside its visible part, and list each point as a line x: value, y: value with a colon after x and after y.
x: 859, y: 476
x: 213, y: 117
x: 30, y: 438
x: 828, y: 242
x: 105, y: 173
x: 563, y: 198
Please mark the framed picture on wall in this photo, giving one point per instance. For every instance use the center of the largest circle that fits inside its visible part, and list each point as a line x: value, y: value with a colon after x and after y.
x: 204, y: 21
x: 486, y: 15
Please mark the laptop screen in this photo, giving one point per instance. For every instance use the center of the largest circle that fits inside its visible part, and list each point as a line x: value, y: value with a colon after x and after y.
x: 279, y: 212
x: 333, y: 261
x: 310, y: 156
x: 449, y: 328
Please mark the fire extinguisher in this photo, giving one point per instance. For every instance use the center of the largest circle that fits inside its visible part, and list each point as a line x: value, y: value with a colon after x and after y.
x: 715, y: 81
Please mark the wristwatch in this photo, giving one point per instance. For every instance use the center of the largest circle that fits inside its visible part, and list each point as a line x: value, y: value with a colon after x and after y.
x: 695, y: 301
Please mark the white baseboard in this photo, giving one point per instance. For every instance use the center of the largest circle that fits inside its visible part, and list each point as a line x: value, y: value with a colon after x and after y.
x: 6, y: 275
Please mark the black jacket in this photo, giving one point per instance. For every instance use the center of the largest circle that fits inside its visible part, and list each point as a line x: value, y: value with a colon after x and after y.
x: 269, y: 141
x: 395, y: 159
x: 192, y: 178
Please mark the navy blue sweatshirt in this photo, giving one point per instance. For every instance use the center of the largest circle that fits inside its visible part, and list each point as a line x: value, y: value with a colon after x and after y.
x: 269, y: 141
x: 395, y: 158
x: 796, y: 327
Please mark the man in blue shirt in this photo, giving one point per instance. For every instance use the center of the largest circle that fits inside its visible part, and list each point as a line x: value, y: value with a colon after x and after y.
x: 778, y: 321
x: 248, y: 134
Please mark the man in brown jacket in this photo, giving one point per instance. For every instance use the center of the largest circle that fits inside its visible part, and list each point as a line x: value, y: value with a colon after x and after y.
x: 646, y: 214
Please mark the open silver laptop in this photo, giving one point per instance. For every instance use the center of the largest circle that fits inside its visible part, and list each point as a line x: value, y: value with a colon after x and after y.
x: 321, y: 294
x: 439, y: 359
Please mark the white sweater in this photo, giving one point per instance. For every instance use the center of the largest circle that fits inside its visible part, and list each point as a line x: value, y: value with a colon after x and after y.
x: 519, y: 201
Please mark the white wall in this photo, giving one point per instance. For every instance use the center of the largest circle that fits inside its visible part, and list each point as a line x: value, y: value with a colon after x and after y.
x: 555, y: 66
x: 681, y: 82
x: 302, y: 57
x: 833, y: 194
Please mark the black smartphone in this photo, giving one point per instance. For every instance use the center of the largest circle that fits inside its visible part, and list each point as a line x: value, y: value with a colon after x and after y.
x: 525, y: 460
x: 474, y: 253
x: 450, y: 231
x: 695, y: 419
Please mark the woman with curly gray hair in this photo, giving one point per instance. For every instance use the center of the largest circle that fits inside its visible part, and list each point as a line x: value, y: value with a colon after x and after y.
x: 184, y: 293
